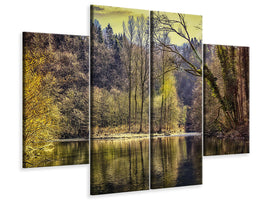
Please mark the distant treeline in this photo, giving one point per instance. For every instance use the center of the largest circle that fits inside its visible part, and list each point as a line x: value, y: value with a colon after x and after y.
x: 176, y: 77
x: 120, y: 74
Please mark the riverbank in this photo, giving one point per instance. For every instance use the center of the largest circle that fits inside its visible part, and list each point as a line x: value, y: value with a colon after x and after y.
x: 121, y: 136
x: 142, y: 135
x: 233, y: 134
x: 240, y: 132
x: 154, y: 135
x: 70, y: 140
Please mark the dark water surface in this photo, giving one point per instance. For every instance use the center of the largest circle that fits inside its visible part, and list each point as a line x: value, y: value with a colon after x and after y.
x: 68, y: 153
x: 217, y: 146
x: 176, y: 161
x: 119, y: 165
x: 123, y: 165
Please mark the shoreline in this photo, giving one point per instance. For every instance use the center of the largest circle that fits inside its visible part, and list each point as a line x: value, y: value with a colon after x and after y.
x: 143, y: 136
x: 218, y: 137
x: 70, y: 140
x: 127, y: 136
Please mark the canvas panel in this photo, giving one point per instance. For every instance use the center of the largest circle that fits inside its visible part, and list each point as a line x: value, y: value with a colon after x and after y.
x: 119, y: 100
x: 226, y: 100
x: 55, y: 100
x: 176, y: 99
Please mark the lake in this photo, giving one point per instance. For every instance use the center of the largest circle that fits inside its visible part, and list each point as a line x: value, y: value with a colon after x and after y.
x: 221, y: 146
x: 176, y: 161
x: 120, y: 165
x: 68, y: 153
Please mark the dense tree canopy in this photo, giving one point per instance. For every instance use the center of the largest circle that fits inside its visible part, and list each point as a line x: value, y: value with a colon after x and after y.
x: 226, y: 90
x: 55, y: 92
x: 120, y: 72
x: 176, y: 76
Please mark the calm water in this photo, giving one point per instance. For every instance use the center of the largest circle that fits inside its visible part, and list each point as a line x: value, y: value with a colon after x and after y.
x: 176, y: 161
x: 119, y: 165
x: 217, y: 146
x: 123, y: 165
x: 68, y: 153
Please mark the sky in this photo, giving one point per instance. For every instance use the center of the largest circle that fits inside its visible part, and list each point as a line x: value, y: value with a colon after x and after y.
x: 194, y: 27
x: 116, y: 15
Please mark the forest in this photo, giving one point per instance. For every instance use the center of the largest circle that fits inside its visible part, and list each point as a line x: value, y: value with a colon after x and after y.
x: 120, y: 77
x: 176, y: 75
x: 55, y: 92
x: 226, y: 97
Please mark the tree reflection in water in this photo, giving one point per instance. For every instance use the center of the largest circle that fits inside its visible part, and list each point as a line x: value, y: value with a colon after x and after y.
x: 176, y: 161
x: 119, y: 165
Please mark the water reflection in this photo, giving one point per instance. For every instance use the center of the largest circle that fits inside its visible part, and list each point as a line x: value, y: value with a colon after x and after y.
x: 68, y: 153
x: 176, y: 161
x: 217, y: 146
x: 119, y: 165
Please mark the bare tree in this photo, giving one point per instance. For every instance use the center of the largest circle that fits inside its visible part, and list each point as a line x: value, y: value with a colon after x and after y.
x: 129, y: 33
x: 161, y: 24
x: 142, y: 37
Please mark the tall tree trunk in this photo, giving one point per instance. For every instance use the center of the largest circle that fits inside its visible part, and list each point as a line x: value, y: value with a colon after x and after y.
x: 227, y: 62
x: 211, y: 80
x: 129, y: 98
x: 130, y: 84
x: 234, y: 85
x: 241, y: 85
x: 245, y: 64
x: 130, y: 87
x: 165, y: 123
x: 142, y: 109
x: 135, y: 104
x: 162, y: 96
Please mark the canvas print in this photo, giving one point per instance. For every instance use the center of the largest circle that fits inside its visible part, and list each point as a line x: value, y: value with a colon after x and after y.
x: 55, y: 99
x: 226, y: 100
x: 176, y: 99
x: 119, y: 100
